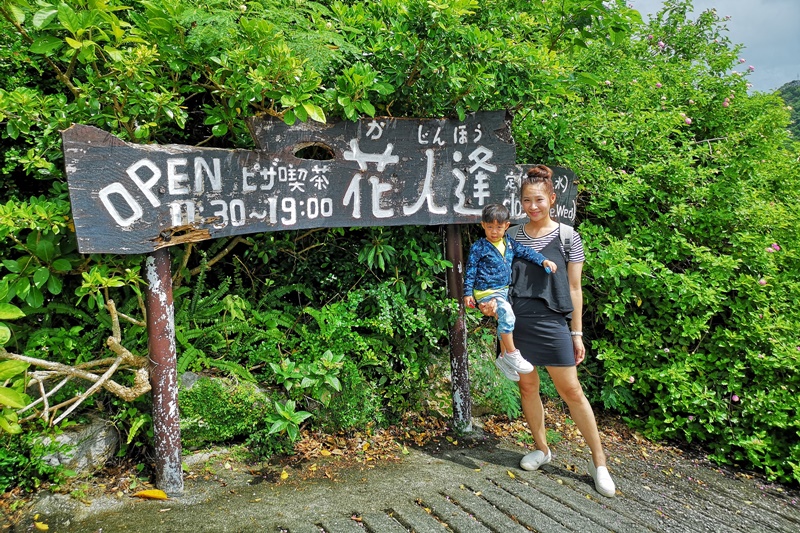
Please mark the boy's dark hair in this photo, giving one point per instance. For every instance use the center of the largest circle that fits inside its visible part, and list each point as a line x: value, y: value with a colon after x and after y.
x: 495, y: 213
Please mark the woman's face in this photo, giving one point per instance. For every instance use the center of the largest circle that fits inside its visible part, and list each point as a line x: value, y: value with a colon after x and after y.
x: 536, y: 202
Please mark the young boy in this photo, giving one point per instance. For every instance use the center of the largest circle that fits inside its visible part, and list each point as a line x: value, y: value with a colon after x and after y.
x: 488, y: 276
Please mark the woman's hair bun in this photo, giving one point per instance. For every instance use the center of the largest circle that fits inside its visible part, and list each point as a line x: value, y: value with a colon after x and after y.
x: 542, y: 172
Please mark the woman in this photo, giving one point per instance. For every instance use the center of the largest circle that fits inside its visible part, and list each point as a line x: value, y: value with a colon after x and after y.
x: 543, y: 304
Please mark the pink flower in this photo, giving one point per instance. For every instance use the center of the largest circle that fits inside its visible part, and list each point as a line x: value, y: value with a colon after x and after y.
x: 734, y: 398
x: 666, y: 350
x: 761, y: 355
x: 725, y: 103
x: 770, y: 250
x: 650, y: 37
x: 775, y: 247
x: 608, y: 82
x: 661, y: 44
x: 691, y: 102
x: 658, y: 85
x: 751, y: 68
x: 688, y: 120
x: 691, y: 418
x: 631, y: 379
x: 762, y: 282
x: 742, y: 60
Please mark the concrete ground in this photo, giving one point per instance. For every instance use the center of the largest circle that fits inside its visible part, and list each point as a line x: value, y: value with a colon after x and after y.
x: 474, y: 485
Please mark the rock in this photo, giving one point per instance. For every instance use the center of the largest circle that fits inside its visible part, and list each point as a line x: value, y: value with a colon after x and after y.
x: 188, y: 379
x: 86, y: 447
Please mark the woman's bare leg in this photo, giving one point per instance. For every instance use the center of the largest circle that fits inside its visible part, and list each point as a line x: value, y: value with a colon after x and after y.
x: 533, y: 409
x: 565, y: 379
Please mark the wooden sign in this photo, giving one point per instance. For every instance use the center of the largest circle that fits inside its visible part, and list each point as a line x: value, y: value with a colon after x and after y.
x: 130, y: 198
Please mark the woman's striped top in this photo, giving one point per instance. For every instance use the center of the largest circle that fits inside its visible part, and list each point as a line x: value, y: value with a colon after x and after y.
x: 576, y: 254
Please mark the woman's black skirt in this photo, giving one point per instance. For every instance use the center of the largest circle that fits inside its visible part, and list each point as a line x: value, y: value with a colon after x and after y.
x: 542, y: 335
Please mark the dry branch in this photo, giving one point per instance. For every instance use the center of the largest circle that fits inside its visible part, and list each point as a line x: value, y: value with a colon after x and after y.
x: 86, y: 371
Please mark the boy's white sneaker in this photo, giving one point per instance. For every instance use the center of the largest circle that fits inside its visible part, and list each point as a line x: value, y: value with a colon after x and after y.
x: 602, y: 480
x: 515, y: 361
x: 506, y: 370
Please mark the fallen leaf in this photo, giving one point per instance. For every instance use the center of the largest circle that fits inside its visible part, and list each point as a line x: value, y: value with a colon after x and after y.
x: 41, y: 526
x: 324, y: 453
x: 152, y: 494
x: 511, y: 474
x: 284, y: 474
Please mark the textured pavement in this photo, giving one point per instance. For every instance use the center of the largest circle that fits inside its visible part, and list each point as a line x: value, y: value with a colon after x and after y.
x: 477, y: 487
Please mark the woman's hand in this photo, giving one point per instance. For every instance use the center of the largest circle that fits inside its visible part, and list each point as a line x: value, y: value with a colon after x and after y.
x: 488, y: 308
x: 579, y: 349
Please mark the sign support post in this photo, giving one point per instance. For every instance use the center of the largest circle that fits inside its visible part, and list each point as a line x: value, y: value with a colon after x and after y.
x: 459, y: 361
x: 163, y: 372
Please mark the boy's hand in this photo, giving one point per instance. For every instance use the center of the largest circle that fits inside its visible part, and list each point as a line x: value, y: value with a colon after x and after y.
x: 547, y: 264
x: 469, y: 301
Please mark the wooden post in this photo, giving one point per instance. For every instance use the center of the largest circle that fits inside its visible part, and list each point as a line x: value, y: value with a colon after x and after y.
x: 459, y: 363
x: 163, y: 372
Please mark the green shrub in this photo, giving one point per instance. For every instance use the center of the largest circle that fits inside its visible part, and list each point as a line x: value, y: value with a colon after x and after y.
x: 358, y: 405
x: 217, y: 410
x: 22, y: 460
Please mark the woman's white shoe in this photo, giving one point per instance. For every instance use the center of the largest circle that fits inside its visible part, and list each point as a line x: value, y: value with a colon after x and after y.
x: 602, y: 480
x: 535, y: 459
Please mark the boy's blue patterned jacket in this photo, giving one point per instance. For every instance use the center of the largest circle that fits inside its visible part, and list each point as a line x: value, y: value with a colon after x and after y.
x: 486, y: 269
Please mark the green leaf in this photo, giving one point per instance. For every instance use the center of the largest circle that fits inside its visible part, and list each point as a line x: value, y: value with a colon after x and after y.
x: 45, y: 45
x: 73, y: 43
x: 55, y: 285
x: 315, y: 112
x: 279, y: 425
x: 13, y: 266
x: 43, y: 17
x: 299, y: 416
x: 289, y: 117
x: 67, y: 18
x: 35, y: 298
x: 8, y: 426
x: 587, y: 79
x: 12, y: 129
x: 10, y: 312
x: 334, y: 382
x: 219, y: 130
x: 40, y: 276
x: 12, y: 398
x: 367, y: 108
x: 11, y: 368
x: 22, y: 286
x: 17, y: 13
x: 45, y: 250
x: 61, y: 265
x: 5, y: 334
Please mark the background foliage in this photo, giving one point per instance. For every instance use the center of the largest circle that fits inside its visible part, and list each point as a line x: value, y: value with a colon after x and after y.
x: 688, y: 207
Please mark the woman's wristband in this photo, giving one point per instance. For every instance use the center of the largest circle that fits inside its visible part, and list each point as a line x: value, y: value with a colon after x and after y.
x: 576, y: 333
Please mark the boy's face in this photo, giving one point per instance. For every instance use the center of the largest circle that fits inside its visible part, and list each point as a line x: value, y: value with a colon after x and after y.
x: 495, y: 230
